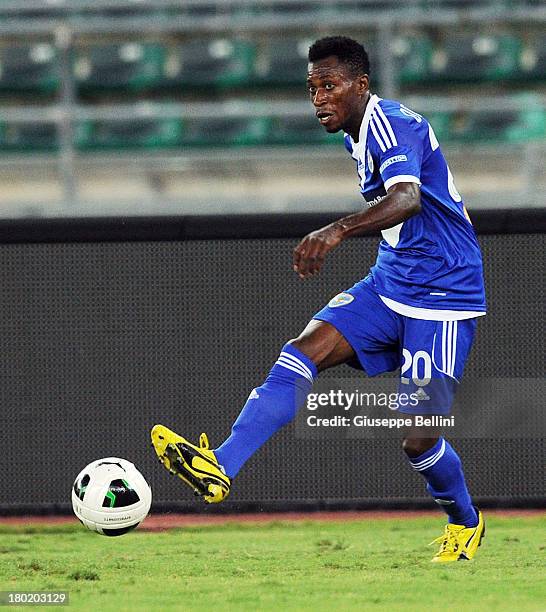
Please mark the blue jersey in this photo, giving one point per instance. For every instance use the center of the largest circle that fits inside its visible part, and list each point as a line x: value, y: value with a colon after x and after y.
x: 429, y: 266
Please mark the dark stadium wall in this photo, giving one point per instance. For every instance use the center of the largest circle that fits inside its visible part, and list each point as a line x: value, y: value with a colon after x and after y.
x: 109, y: 326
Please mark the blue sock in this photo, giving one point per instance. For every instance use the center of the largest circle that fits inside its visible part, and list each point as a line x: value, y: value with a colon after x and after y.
x: 442, y: 468
x: 268, y: 408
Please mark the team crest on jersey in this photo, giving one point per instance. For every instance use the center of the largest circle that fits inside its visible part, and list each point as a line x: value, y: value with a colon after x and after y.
x: 370, y: 162
x: 341, y: 299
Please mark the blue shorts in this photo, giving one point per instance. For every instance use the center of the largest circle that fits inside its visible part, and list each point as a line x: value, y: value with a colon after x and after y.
x: 431, y: 355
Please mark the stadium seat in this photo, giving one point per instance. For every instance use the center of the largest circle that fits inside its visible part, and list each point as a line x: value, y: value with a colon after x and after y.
x: 29, y: 67
x: 122, y: 65
x: 220, y: 131
x: 28, y: 137
x: 209, y: 63
x: 432, y: 5
x: 128, y: 133
x: 300, y: 131
x: 282, y: 61
x: 533, y: 59
x: 498, y: 126
x: 475, y: 57
x: 531, y: 124
x: 412, y: 55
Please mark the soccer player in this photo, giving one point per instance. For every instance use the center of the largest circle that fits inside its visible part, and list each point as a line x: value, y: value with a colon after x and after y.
x: 415, y: 311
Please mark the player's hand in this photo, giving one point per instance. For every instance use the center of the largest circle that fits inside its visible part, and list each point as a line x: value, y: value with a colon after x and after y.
x: 310, y: 253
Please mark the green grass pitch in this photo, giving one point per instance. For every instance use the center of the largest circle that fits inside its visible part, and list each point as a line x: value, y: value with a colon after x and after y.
x: 358, y: 565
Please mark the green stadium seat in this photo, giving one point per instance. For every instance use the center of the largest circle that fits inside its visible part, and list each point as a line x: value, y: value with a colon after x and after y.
x: 128, y: 134
x: 531, y: 124
x: 299, y: 131
x: 286, y: 9
x: 124, y: 65
x: 282, y: 61
x: 533, y: 59
x: 195, y: 10
x: 412, y: 55
x: 498, y: 126
x: 214, y: 131
x: 19, y: 137
x: 475, y: 57
x: 30, y: 67
x: 209, y: 63
x: 432, y: 5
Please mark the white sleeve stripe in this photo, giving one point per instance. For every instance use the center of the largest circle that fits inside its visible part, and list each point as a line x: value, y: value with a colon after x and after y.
x: 379, y: 141
x: 387, y: 124
x: 384, y: 135
x: 401, y: 178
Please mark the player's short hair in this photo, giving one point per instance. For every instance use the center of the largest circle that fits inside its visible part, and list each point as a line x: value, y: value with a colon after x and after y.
x: 347, y: 50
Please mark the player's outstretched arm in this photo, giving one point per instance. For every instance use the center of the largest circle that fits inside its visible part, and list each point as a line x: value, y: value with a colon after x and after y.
x: 403, y: 200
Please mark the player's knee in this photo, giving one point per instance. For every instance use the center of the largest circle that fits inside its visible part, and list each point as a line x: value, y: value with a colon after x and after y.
x: 322, y: 344
x: 413, y: 447
x: 306, y: 344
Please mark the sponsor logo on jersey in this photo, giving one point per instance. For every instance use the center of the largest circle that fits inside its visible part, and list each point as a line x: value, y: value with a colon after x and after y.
x: 392, y: 160
x: 341, y: 299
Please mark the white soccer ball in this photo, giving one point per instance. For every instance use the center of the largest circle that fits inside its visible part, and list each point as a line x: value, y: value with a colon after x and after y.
x: 110, y: 496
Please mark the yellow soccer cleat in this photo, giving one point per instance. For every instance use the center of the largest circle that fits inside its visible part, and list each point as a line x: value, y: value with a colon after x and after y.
x: 458, y: 542
x: 197, y: 466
